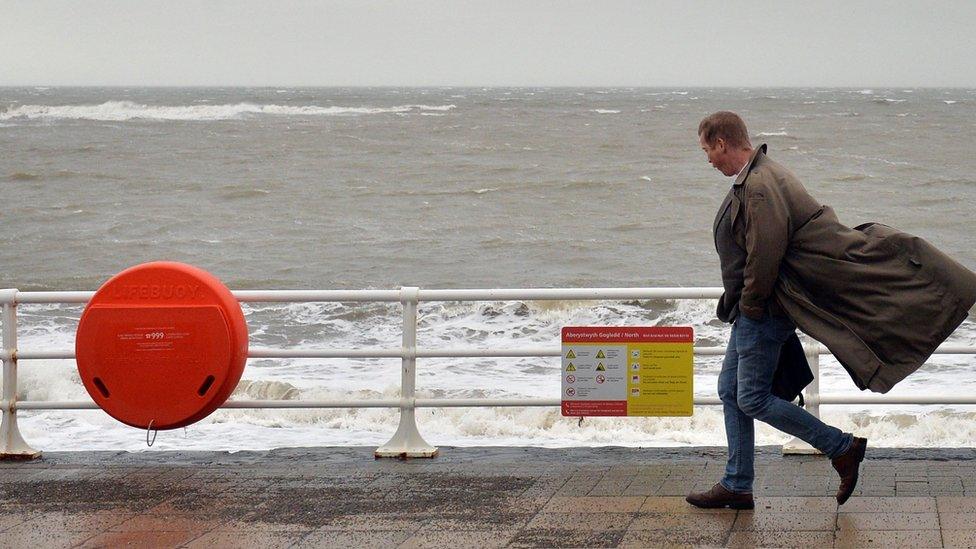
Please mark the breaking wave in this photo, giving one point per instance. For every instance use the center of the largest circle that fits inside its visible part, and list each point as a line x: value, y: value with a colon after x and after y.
x: 23, y: 176
x: 493, y: 325
x: 128, y: 110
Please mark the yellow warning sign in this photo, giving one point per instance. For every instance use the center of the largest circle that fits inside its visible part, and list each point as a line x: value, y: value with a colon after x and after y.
x: 664, y: 384
x: 628, y: 371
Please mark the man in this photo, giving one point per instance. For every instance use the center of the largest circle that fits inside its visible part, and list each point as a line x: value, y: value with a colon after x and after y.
x: 879, y: 299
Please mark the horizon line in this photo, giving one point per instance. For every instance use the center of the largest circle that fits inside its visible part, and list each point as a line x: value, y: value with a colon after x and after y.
x: 475, y: 86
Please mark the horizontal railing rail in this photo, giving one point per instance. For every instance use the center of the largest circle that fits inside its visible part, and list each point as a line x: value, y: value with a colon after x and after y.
x: 407, y: 440
x: 266, y: 352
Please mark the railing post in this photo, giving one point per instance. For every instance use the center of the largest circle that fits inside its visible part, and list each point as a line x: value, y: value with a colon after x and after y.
x: 407, y: 442
x: 811, y: 399
x: 12, y: 445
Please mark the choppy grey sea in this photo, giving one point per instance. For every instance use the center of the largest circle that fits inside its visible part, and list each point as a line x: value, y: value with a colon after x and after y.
x: 355, y: 188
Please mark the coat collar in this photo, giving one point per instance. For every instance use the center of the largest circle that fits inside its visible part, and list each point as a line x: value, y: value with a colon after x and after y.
x: 756, y: 154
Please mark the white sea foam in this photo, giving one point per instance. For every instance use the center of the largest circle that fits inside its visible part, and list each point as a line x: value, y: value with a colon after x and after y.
x: 949, y: 102
x: 236, y: 429
x: 128, y: 110
x: 605, y: 111
x: 772, y: 134
x: 492, y: 325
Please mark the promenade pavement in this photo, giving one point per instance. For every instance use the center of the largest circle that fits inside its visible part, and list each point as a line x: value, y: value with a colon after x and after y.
x: 478, y: 497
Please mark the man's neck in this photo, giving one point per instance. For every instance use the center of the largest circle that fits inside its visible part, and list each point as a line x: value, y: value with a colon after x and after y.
x: 746, y: 155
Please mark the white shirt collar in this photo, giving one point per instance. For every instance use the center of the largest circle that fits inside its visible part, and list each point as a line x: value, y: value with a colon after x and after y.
x: 736, y: 176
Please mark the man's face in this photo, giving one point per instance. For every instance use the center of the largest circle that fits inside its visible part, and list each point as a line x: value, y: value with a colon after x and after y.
x: 719, y: 155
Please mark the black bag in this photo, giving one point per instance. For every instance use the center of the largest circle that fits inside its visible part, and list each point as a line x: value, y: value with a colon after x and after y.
x: 792, y: 371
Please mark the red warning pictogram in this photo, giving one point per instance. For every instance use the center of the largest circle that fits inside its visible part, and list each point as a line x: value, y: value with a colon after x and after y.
x: 161, y: 344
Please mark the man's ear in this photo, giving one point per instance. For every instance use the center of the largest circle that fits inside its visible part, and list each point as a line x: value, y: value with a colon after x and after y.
x: 720, y: 145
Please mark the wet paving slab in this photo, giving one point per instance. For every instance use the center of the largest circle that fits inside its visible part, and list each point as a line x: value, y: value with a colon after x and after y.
x: 479, y: 497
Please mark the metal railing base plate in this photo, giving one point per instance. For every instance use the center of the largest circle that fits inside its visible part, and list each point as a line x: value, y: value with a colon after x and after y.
x: 28, y: 456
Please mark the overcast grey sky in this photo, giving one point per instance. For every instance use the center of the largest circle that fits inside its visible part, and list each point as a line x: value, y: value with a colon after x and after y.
x: 496, y: 42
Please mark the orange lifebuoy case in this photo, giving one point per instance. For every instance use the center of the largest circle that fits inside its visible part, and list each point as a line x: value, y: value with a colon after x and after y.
x: 161, y: 345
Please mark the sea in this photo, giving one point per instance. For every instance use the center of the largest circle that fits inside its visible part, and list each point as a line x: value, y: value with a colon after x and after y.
x: 378, y: 188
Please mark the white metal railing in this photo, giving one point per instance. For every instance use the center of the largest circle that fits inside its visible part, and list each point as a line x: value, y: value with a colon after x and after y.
x: 406, y: 441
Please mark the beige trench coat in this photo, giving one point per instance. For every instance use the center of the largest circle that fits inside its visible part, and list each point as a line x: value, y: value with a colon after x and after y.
x: 881, y: 300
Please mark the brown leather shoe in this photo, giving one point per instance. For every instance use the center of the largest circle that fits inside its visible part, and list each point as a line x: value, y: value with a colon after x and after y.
x: 719, y: 497
x: 847, y: 464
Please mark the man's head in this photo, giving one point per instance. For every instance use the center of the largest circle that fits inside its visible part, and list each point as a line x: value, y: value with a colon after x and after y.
x: 724, y: 138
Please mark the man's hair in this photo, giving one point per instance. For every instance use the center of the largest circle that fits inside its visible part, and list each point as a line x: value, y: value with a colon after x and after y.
x: 726, y: 125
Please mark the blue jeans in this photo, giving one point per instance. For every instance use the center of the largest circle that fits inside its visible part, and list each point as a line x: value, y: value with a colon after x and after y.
x: 744, y: 387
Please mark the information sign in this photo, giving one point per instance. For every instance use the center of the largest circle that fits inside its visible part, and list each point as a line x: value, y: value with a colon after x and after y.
x: 627, y: 371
